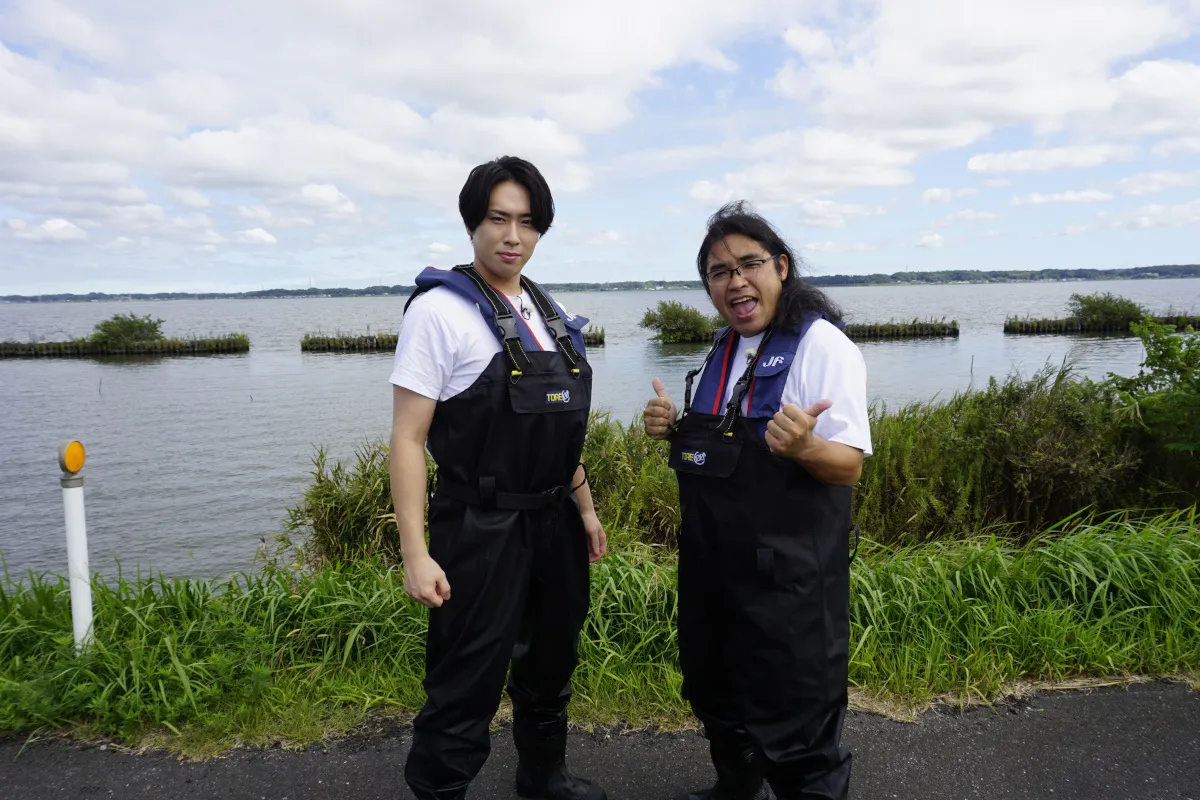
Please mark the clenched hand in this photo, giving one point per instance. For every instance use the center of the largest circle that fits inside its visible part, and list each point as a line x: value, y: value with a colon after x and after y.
x: 659, y: 413
x: 425, y: 582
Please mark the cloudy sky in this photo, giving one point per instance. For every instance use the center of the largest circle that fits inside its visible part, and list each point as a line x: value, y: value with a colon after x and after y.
x: 223, y: 145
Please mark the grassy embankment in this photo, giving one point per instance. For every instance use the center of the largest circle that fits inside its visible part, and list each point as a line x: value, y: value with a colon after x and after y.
x: 983, y: 567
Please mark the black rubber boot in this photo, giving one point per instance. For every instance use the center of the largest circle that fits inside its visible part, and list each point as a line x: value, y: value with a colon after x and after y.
x: 738, y: 774
x: 552, y: 781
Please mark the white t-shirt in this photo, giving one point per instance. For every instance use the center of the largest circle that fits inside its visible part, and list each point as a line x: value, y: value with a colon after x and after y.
x: 827, y: 366
x: 445, y: 344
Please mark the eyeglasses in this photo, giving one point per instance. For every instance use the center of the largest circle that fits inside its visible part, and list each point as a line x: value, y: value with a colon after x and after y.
x: 720, y: 277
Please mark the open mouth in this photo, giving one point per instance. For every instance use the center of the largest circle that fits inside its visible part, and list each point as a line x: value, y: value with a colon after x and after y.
x: 743, y: 307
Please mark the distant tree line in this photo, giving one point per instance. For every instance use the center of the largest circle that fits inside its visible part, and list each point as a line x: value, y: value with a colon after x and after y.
x: 875, y: 279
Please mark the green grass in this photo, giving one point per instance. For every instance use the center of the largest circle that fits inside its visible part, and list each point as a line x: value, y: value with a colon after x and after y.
x: 1011, y: 457
x: 295, y: 657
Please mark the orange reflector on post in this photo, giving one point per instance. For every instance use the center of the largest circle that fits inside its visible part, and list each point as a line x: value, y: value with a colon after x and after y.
x: 71, y: 457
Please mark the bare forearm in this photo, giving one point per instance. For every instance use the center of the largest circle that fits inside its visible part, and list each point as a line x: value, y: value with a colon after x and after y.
x: 408, y: 480
x: 832, y: 463
x: 583, y: 495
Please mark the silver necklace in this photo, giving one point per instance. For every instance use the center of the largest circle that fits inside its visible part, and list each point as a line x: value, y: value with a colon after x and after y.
x: 525, y: 312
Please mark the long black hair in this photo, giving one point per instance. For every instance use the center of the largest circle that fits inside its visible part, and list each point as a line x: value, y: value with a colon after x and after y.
x: 797, y: 296
x: 476, y: 193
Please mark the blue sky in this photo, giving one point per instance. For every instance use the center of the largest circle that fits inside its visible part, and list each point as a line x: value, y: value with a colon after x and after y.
x: 235, y: 145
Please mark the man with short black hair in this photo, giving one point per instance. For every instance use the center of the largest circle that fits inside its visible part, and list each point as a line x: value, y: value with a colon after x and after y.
x: 490, y: 373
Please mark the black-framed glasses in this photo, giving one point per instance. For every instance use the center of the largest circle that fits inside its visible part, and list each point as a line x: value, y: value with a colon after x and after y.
x: 719, y: 277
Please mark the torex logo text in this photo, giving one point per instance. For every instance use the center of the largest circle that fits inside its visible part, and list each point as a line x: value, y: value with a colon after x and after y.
x: 558, y: 398
x: 697, y: 457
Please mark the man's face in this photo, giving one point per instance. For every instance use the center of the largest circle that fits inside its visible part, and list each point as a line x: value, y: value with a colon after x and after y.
x: 748, y: 301
x: 506, y: 238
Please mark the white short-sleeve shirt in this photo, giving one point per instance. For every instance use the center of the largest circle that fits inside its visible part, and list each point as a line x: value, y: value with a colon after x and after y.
x: 445, y: 344
x: 827, y: 366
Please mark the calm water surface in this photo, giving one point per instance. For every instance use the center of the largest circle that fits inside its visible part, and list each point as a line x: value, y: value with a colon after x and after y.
x: 192, y: 460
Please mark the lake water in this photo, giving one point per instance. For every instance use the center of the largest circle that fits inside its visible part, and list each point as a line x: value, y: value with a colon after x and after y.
x: 192, y: 460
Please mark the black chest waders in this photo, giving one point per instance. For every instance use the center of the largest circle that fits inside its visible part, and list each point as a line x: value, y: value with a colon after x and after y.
x: 505, y: 527
x: 764, y: 587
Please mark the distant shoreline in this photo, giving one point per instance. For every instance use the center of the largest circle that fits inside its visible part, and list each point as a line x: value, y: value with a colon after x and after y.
x: 877, y: 279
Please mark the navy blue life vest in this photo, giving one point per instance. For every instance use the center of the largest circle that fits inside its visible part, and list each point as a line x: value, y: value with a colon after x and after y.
x: 463, y: 285
x: 774, y: 362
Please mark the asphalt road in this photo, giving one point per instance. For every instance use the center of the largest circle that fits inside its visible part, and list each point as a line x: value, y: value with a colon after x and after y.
x: 1103, y: 744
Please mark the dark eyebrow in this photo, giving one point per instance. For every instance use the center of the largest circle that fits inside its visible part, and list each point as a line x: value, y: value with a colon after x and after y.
x: 495, y: 212
x: 744, y: 259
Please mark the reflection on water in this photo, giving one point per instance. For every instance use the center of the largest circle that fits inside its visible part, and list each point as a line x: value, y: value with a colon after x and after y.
x: 192, y: 459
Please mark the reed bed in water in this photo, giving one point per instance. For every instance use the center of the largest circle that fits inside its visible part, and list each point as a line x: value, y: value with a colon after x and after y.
x: 85, y: 348
x: 343, y: 343
x: 297, y: 656
x: 916, y: 329
x: 1076, y: 325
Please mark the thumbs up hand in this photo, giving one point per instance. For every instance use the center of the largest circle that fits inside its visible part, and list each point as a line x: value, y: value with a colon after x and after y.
x: 660, y: 412
x: 790, y: 431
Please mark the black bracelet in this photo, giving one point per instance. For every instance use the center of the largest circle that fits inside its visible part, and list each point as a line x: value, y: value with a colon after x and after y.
x: 585, y: 479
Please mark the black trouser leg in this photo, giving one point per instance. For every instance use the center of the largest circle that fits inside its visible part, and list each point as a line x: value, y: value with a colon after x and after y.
x: 708, y: 684
x: 468, y: 647
x: 546, y: 651
x: 793, y: 637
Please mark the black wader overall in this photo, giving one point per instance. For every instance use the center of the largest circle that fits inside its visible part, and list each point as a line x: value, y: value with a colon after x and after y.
x: 763, y: 588
x: 505, y: 528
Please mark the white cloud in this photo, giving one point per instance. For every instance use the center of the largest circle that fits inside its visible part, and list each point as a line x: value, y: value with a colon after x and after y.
x: 440, y: 249
x: 838, y: 247
x: 127, y: 120
x: 256, y: 236
x: 1183, y: 146
x: 1084, y: 196
x: 1055, y: 158
x: 605, y: 238
x: 327, y: 198
x: 828, y: 214
x: 262, y: 214
x: 931, y: 240
x: 52, y: 230
x: 1152, y: 182
x: 966, y: 215
x: 792, y: 166
x: 997, y: 183
x: 119, y: 243
x: 937, y: 66
x: 946, y: 195
x: 190, y: 198
x: 1159, y: 216
x: 54, y: 25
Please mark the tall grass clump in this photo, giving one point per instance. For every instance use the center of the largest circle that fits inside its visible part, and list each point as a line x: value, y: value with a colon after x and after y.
x: 677, y: 323
x: 298, y: 656
x: 1109, y: 596
x: 1022, y: 452
x: 593, y: 336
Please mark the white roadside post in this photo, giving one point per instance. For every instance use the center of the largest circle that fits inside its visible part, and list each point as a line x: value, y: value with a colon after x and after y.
x: 70, y: 459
